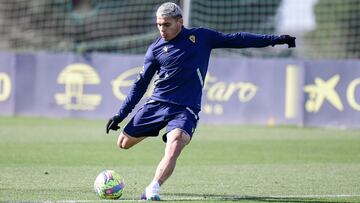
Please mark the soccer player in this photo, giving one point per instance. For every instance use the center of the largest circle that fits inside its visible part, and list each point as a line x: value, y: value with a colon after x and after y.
x: 180, y: 58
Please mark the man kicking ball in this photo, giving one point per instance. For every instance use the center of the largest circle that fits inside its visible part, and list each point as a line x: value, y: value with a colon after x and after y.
x: 180, y: 58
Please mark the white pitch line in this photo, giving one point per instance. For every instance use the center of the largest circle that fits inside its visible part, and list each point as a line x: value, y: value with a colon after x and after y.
x: 225, y: 197
x: 315, y: 196
x: 88, y: 201
x: 244, y: 197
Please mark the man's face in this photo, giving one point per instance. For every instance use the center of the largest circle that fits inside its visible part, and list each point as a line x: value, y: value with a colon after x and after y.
x: 169, y: 27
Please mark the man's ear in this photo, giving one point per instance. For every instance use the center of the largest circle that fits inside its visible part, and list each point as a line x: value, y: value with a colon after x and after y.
x: 181, y: 21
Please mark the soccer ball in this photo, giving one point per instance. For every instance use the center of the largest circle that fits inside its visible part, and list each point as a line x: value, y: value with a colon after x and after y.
x: 109, y: 185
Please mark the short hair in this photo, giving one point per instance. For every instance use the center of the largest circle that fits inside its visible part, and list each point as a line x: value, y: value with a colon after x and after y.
x: 169, y: 9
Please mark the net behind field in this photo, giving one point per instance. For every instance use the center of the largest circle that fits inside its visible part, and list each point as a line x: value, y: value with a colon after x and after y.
x: 233, y: 16
x: 78, y: 25
x: 128, y: 26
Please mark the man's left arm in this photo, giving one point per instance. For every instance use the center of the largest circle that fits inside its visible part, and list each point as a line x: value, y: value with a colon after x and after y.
x: 249, y: 40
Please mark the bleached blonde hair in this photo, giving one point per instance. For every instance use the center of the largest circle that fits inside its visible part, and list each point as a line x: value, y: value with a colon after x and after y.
x: 169, y: 9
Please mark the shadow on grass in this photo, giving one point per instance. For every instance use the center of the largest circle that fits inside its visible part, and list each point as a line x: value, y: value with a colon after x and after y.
x: 244, y: 198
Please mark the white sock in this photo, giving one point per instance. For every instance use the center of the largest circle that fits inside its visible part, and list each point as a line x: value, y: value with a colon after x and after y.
x: 152, y: 189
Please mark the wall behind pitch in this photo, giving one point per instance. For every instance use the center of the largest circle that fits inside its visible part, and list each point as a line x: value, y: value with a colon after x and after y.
x: 7, y: 83
x: 236, y: 90
x: 332, y: 93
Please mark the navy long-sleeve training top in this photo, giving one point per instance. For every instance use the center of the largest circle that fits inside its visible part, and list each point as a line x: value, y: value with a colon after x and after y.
x: 182, y: 63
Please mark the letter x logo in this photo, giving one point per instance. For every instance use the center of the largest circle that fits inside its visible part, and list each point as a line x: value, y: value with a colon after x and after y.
x: 321, y: 91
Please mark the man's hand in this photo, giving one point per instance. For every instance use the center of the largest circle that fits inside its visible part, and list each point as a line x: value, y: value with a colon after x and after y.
x: 287, y: 39
x: 113, y: 123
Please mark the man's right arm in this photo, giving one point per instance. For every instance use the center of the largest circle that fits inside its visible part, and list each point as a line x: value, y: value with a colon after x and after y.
x: 137, y: 91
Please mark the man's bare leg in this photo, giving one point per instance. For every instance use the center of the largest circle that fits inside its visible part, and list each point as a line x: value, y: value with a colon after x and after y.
x: 125, y: 141
x: 177, y: 139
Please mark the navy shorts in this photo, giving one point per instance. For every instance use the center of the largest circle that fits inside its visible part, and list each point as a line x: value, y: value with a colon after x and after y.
x: 156, y: 115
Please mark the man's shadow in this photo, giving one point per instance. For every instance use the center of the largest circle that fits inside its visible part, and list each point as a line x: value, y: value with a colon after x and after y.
x: 244, y: 198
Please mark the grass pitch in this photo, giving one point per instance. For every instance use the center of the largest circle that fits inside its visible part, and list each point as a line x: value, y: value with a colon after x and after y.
x: 58, y: 160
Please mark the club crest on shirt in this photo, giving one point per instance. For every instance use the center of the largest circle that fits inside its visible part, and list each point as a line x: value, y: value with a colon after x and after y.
x: 192, y: 38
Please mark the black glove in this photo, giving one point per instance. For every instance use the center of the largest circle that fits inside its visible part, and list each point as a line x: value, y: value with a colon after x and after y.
x: 287, y: 39
x: 113, y: 123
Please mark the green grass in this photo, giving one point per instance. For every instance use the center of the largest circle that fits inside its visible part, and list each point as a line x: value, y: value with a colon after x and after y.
x: 222, y: 163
